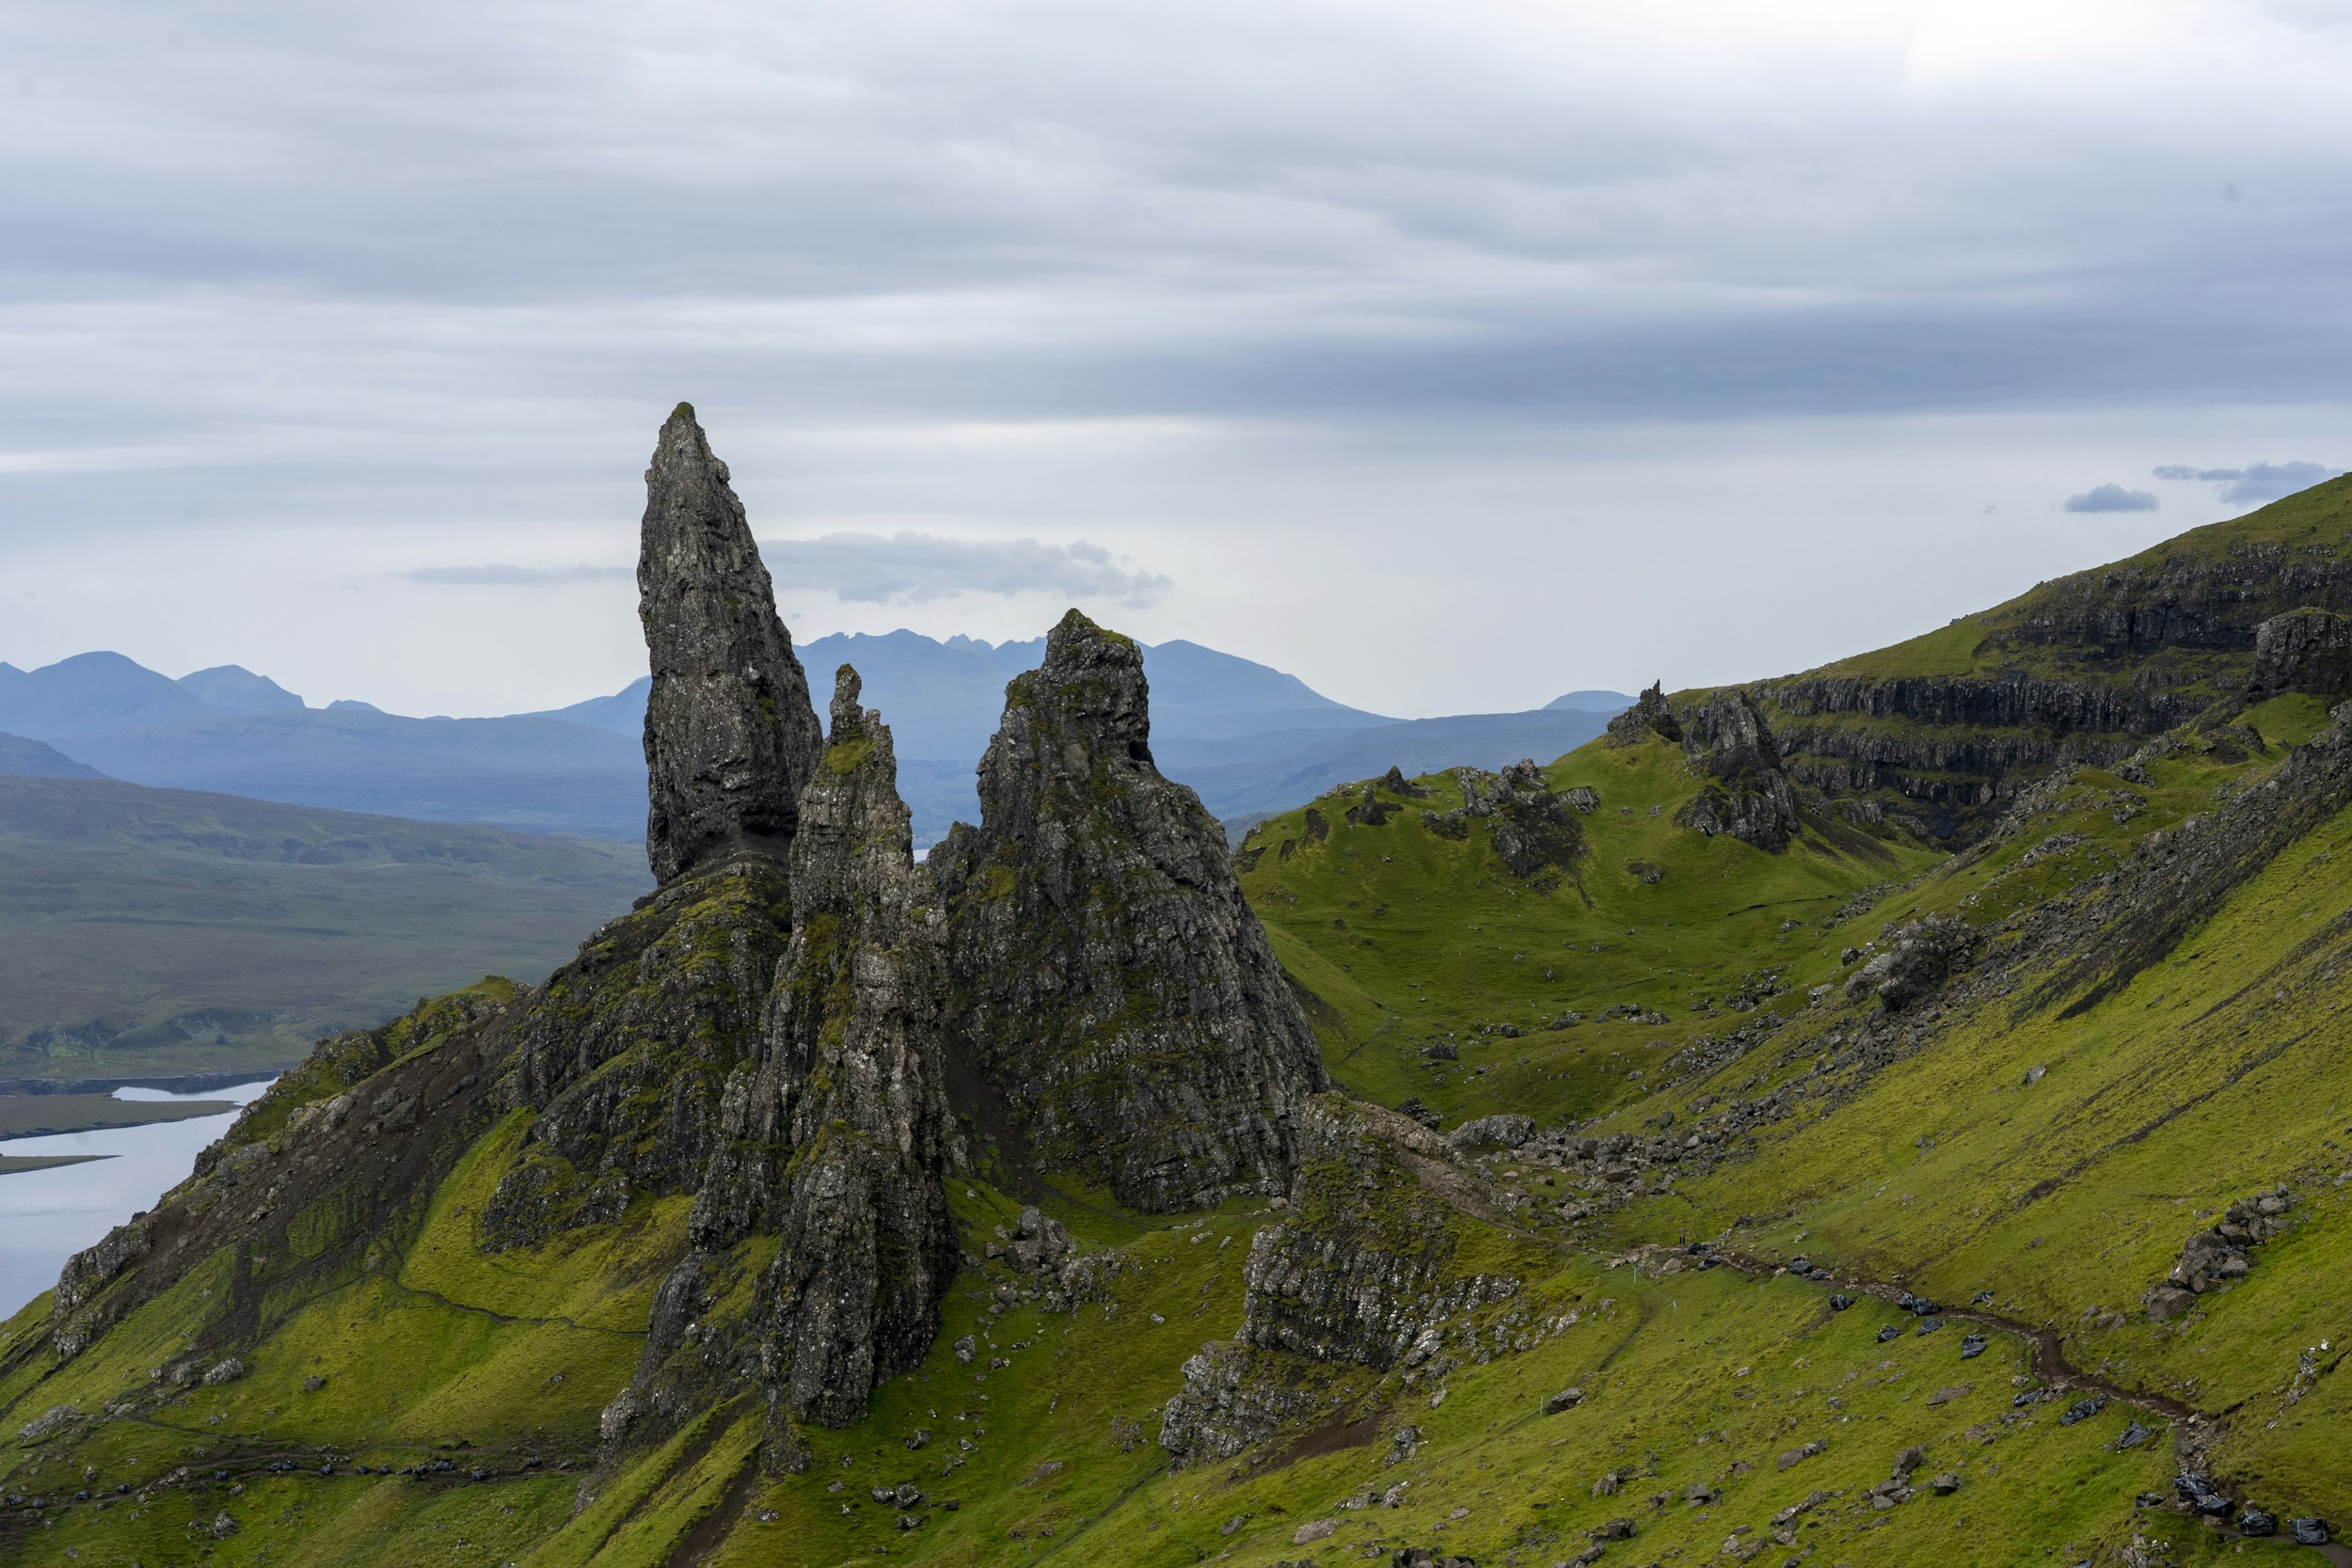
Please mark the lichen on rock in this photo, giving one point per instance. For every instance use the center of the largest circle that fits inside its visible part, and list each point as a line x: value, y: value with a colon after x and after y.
x: 1108, y: 979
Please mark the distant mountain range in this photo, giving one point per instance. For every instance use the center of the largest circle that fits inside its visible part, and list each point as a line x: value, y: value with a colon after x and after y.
x: 1251, y: 738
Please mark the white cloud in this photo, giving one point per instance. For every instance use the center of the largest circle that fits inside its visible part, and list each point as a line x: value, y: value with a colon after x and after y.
x: 907, y: 568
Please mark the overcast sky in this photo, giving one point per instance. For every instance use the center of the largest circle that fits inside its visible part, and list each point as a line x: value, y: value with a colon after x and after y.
x: 1450, y: 356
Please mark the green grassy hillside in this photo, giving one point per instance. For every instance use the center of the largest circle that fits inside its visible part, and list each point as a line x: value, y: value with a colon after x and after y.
x: 147, y: 931
x: 2024, y: 1079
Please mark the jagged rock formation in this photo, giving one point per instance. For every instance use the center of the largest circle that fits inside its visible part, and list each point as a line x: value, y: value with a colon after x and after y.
x: 1747, y: 795
x: 2304, y: 650
x: 836, y: 1138
x: 1651, y: 715
x: 1919, y: 957
x: 624, y: 1053
x: 730, y: 737
x: 1530, y: 824
x: 1108, y: 980
x: 1363, y: 1273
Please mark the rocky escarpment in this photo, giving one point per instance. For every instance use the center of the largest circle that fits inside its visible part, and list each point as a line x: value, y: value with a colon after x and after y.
x: 2304, y: 650
x: 2083, y: 669
x: 730, y: 737
x: 836, y: 1138
x: 1107, y: 979
x: 2187, y: 595
x: 1747, y: 794
x: 1371, y: 1271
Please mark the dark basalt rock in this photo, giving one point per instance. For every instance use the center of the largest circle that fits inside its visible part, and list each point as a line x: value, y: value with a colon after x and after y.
x: 836, y: 1139
x: 2304, y: 650
x: 1919, y: 957
x: 1748, y: 795
x: 730, y: 737
x: 1651, y: 715
x: 625, y: 1051
x: 1362, y: 1274
x: 1533, y: 827
x: 1107, y: 978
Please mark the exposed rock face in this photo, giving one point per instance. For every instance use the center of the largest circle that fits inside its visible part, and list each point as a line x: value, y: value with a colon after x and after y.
x: 730, y: 738
x: 1531, y: 825
x: 1921, y: 957
x: 1362, y: 1273
x: 835, y: 1140
x: 625, y: 1051
x: 1108, y: 979
x: 1749, y: 795
x: 1651, y: 715
x: 2304, y: 650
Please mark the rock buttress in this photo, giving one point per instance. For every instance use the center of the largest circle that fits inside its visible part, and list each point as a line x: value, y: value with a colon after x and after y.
x: 730, y: 737
x: 1108, y: 980
x: 1366, y: 1277
x: 834, y: 1141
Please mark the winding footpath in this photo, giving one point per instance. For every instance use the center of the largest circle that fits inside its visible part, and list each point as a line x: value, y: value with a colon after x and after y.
x: 2193, y: 1432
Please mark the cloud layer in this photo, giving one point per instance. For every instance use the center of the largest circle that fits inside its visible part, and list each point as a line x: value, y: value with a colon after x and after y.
x: 2111, y: 497
x: 514, y: 577
x: 2256, y: 482
x: 920, y: 568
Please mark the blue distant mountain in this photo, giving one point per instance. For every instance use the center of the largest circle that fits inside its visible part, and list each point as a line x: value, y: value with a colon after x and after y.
x: 1250, y: 737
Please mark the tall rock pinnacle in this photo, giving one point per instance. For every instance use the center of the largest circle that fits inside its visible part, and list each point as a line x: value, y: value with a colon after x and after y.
x: 730, y: 737
x: 1108, y: 979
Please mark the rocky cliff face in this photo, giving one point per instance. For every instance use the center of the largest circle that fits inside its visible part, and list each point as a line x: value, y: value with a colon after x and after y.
x: 1748, y: 795
x: 1108, y: 980
x: 1366, y: 1271
x: 836, y: 1138
x: 2304, y: 650
x: 730, y: 737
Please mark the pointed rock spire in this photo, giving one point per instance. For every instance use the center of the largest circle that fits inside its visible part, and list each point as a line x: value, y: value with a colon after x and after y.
x: 1109, y: 981
x: 730, y: 737
x: 836, y: 1140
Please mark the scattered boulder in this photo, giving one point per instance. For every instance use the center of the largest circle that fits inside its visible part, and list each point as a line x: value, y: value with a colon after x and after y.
x: 1944, y: 1484
x: 1507, y: 1129
x: 1919, y: 957
x: 1315, y: 1530
x: 2217, y: 1258
x: 1566, y: 1399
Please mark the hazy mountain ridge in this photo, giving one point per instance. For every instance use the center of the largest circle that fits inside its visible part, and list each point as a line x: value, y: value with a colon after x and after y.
x: 1250, y: 737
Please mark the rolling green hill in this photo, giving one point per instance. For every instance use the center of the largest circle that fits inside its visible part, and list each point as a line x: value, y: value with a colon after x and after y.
x: 1717, y: 1165
x: 147, y: 931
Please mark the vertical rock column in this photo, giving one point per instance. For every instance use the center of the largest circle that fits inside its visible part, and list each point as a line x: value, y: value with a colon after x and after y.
x: 730, y: 737
x: 1109, y: 981
x: 836, y: 1139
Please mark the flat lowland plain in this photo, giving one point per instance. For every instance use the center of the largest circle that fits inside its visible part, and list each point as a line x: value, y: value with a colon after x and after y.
x: 147, y: 931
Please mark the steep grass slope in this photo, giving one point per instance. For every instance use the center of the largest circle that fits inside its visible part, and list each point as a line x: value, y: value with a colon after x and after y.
x: 1719, y: 1117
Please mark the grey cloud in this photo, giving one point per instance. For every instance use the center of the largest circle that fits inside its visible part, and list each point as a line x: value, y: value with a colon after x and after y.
x: 498, y: 576
x: 917, y: 568
x: 2256, y: 482
x: 2111, y: 497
